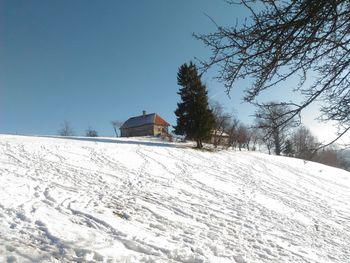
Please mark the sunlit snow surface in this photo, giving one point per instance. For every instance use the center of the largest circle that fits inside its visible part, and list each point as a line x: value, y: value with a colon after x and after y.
x: 141, y: 200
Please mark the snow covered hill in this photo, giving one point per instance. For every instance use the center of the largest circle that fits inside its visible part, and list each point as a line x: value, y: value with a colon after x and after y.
x: 128, y: 200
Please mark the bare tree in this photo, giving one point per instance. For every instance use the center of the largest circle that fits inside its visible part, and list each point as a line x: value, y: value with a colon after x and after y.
x: 285, y: 39
x: 344, y: 159
x: 90, y: 132
x: 255, y: 137
x: 66, y: 129
x: 242, y: 136
x: 268, y: 141
x: 274, y: 120
x: 329, y: 157
x: 250, y: 138
x: 221, y: 122
x: 262, y: 137
x: 116, y: 125
x: 305, y: 144
x: 232, y: 132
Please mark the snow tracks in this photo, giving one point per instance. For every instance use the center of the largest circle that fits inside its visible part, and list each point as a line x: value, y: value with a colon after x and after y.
x: 71, y: 200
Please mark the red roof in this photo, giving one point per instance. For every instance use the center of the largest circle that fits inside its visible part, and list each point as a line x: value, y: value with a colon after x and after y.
x: 152, y: 118
x: 159, y: 120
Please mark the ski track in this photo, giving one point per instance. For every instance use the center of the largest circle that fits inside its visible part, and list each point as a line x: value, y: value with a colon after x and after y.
x: 65, y: 200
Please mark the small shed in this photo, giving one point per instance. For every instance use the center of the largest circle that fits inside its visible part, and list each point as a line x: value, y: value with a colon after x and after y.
x: 145, y: 125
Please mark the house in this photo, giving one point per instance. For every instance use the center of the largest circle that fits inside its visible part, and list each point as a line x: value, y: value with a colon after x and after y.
x: 219, y: 137
x: 145, y: 125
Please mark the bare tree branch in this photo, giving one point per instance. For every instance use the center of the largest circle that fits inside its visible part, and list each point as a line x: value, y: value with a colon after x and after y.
x: 289, y: 38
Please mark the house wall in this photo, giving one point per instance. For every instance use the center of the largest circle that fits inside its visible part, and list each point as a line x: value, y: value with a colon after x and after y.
x: 223, y: 141
x: 144, y: 130
x: 160, y: 130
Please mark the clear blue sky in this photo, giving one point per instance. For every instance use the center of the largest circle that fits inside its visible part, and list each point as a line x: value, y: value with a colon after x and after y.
x: 90, y: 62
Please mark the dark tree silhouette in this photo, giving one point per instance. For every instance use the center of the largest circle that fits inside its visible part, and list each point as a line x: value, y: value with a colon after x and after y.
x: 90, y: 132
x: 66, y: 129
x: 288, y: 148
x: 195, y: 119
x: 282, y: 39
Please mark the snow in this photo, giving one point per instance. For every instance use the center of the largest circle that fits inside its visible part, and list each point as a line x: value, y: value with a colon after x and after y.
x: 143, y: 200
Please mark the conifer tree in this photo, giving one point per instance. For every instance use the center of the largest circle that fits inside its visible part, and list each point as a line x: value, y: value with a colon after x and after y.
x: 195, y: 119
x: 288, y: 148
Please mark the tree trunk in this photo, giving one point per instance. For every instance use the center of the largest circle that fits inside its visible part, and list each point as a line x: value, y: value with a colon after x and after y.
x: 115, y: 130
x: 199, y: 144
x: 276, y: 139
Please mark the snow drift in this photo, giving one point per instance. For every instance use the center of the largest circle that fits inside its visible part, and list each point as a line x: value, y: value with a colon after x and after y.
x: 128, y: 200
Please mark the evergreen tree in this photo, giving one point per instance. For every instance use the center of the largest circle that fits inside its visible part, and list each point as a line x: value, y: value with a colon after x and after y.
x: 195, y: 119
x: 288, y: 148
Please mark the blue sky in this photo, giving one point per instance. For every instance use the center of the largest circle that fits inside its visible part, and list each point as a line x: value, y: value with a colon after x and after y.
x: 90, y: 62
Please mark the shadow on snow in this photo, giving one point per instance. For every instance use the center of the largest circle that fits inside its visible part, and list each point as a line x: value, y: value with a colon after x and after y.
x: 117, y: 141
